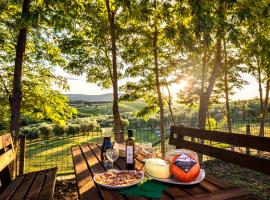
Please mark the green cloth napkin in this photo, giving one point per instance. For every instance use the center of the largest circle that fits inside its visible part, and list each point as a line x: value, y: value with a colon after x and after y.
x: 148, y: 188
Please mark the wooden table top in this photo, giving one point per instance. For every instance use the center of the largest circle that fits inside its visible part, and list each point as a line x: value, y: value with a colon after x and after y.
x: 87, y: 163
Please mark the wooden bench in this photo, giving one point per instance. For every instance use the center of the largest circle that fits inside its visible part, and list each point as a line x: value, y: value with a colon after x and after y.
x: 178, y: 138
x: 37, y: 185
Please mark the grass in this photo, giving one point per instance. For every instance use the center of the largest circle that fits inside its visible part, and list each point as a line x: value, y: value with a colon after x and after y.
x: 106, y: 108
x: 56, y: 151
x: 42, y: 154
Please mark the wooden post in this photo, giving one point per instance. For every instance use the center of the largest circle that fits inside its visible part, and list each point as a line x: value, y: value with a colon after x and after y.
x: 248, y: 133
x: 22, y: 154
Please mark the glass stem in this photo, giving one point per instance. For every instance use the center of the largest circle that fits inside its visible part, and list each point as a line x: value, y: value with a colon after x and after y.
x: 112, y: 165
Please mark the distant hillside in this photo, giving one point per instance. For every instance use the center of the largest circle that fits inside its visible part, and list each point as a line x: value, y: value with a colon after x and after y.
x: 90, y: 98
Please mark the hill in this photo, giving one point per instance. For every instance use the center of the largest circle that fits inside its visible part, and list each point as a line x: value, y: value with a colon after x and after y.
x: 90, y: 98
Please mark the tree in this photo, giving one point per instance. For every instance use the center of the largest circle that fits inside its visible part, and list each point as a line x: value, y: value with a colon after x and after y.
x: 151, y: 57
x: 93, y: 46
x: 255, y: 20
x: 16, y: 97
x: 28, y: 84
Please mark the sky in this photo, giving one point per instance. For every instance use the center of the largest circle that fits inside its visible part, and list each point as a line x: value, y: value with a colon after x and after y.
x: 78, y: 85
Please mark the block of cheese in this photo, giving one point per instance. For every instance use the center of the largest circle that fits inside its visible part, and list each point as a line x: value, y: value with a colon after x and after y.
x: 157, y: 168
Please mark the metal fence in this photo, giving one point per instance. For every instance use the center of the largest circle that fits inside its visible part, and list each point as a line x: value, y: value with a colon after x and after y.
x: 56, y: 150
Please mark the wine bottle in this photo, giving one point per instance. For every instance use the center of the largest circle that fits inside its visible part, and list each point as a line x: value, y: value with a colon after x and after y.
x: 130, y: 151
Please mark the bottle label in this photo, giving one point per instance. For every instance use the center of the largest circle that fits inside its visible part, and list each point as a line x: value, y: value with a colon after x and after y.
x: 130, y: 154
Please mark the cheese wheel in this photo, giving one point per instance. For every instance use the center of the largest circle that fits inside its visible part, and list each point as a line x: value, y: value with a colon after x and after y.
x: 157, y: 168
x: 182, y: 175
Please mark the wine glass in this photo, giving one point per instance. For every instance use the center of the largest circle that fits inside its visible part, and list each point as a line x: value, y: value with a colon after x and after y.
x: 112, y: 154
x: 107, y: 131
x: 147, y: 148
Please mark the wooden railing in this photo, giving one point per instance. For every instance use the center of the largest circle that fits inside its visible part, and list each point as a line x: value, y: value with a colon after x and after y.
x: 238, y: 140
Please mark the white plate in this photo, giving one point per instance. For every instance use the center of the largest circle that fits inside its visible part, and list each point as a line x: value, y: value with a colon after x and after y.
x: 119, y: 187
x: 172, y: 180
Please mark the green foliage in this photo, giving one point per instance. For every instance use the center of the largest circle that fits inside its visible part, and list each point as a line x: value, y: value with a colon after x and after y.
x: 73, y: 129
x: 124, y: 123
x: 46, y: 130
x: 211, y: 124
x: 87, y: 124
x: 59, y: 130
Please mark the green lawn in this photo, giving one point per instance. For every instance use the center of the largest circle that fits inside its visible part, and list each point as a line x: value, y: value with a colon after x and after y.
x: 42, y: 154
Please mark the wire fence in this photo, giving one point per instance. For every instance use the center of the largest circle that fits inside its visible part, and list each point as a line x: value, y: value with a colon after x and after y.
x: 56, y: 150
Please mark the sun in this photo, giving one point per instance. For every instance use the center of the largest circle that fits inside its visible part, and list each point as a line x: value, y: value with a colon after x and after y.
x: 176, y: 87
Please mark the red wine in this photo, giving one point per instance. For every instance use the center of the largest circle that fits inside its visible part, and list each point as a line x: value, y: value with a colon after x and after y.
x: 130, y: 151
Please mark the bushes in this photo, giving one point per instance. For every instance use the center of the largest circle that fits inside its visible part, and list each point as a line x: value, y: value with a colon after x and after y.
x: 46, y: 130
x: 124, y: 123
x: 30, y: 132
x: 87, y: 124
x: 73, y: 129
x: 59, y: 130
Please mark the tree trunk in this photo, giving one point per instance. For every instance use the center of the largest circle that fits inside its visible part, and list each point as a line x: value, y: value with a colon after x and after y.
x: 204, y: 99
x: 260, y: 85
x: 16, y: 98
x: 160, y: 102
x: 119, y: 137
x: 265, y: 108
x: 202, y: 93
x: 170, y: 102
x: 226, y: 89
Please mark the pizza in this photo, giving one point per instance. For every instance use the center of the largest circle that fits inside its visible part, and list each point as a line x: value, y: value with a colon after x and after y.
x: 119, y: 178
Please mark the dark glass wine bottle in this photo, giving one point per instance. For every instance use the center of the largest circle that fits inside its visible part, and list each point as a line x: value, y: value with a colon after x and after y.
x: 130, y: 151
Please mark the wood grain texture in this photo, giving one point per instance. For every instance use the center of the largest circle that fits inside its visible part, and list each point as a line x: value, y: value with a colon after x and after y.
x: 36, y: 186
x: 236, y: 194
x: 87, y: 159
x: 83, y: 175
x: 24, y: 187
x: 5, y: 140
x: 248, y: 161
x: 9, y: 191
x: 251, y: 141
x: 47, y: 191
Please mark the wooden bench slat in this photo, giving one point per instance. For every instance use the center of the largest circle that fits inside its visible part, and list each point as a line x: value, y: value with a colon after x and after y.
x: 250, y: 141
x: 47, y: 191
x: 176, y: 192
x: 194, y: 190
x: 235, y: 194
x: 8, y: 192
x: 5, y: 140
x: 36, y: 185
x: 244, y: 160
x: 208, y: 186
x: 92, y: 156
x: 24, y: 187
x: 222, y: 184
x: 86, y: 186
x: 6, y: 159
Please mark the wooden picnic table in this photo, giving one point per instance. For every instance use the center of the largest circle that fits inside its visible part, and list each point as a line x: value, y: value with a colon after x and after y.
x: 87, y: 163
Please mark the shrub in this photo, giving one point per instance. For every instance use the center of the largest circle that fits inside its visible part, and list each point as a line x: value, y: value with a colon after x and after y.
x: 87, y: 124
x: 59, y: 130
x: 33, y: 134
x: 73, y: 129
x: 124, y: 123
x: 25, y: 130
x: 45, y: 130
